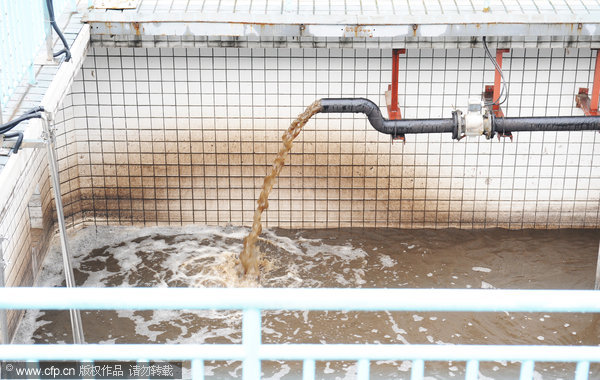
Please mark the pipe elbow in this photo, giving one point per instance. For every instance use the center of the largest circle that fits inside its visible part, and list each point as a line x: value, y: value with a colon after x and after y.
x: 355, y: 105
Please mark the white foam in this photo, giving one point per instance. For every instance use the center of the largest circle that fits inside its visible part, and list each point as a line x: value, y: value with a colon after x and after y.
x: 283, y: 370
x: 481, y: 269
x: 386, y: 261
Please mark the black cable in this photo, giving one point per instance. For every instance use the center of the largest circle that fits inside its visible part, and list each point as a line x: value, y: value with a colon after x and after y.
x: 66, y: 50
x: 504, y: 90
x: 13, y: 123
x: 34, y: 110
x: 19, y: 136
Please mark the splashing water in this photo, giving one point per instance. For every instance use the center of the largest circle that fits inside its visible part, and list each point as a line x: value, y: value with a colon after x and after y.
x: 249, y: 257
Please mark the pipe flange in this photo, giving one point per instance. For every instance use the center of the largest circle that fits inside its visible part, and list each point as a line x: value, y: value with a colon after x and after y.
x: 492, y: 131
x: 457, y: 118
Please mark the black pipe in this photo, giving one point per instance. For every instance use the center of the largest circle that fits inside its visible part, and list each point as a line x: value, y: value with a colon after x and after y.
x: 66, y: 50
x: 19, y: 136
x: 4, y: 128
x: 547, y: 123
x: 504, y: 125
x: 13, y: 123
x: 390, y: 127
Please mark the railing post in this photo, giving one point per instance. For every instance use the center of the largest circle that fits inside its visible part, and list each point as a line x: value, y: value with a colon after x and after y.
x: 527, y: 370
x: 363, y: 369
x: 198, y: 369
x: 582, y: 370
x: 418, y: 370
x: 49, y: 136
x: 308, y: 369
x: 251, y: 340
x: 472, y: 372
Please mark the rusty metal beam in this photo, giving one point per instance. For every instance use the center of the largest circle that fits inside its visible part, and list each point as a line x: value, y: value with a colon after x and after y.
x: 343, y: 26
x: 498, y: 82
x: 582, y: 99
x: 596, y: 85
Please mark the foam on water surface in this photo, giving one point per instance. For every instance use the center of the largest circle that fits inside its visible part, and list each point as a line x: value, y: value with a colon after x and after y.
x: 202, y: 256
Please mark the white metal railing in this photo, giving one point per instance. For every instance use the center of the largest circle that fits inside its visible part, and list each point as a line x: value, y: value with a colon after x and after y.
x: 253, y: 300
x: 23, y: 29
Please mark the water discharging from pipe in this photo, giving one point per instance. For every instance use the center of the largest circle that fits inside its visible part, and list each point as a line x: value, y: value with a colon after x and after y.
x: 249, y: 257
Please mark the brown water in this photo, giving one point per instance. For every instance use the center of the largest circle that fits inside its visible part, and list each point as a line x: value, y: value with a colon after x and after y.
x: 370, y: 258
x: 249, y: 257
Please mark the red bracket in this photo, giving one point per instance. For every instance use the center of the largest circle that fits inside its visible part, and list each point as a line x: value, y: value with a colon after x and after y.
x: 583, y: 101
x: 391, y: 95
x: 493, y: 92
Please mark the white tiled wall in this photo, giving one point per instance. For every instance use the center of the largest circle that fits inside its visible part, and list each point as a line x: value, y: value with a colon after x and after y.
x: 173, y: 135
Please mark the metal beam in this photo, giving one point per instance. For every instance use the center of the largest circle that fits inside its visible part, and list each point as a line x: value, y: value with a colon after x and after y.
x: 343, y: 26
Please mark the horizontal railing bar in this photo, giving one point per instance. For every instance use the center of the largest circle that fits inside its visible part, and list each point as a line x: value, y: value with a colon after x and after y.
x: 536, y: 353
x: 85, y: 352
x: 429, y: 352
x: 491, y: 300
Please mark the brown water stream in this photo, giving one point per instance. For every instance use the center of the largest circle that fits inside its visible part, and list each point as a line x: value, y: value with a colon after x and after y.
x: 249, y: 257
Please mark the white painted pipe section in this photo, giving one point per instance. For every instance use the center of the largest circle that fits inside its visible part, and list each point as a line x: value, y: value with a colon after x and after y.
x: 492, y: 300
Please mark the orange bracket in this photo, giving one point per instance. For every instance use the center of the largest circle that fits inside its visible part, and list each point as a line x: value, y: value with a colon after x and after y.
x: 582, y: 100
x: 391, y: 95
x: 493, y: 92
